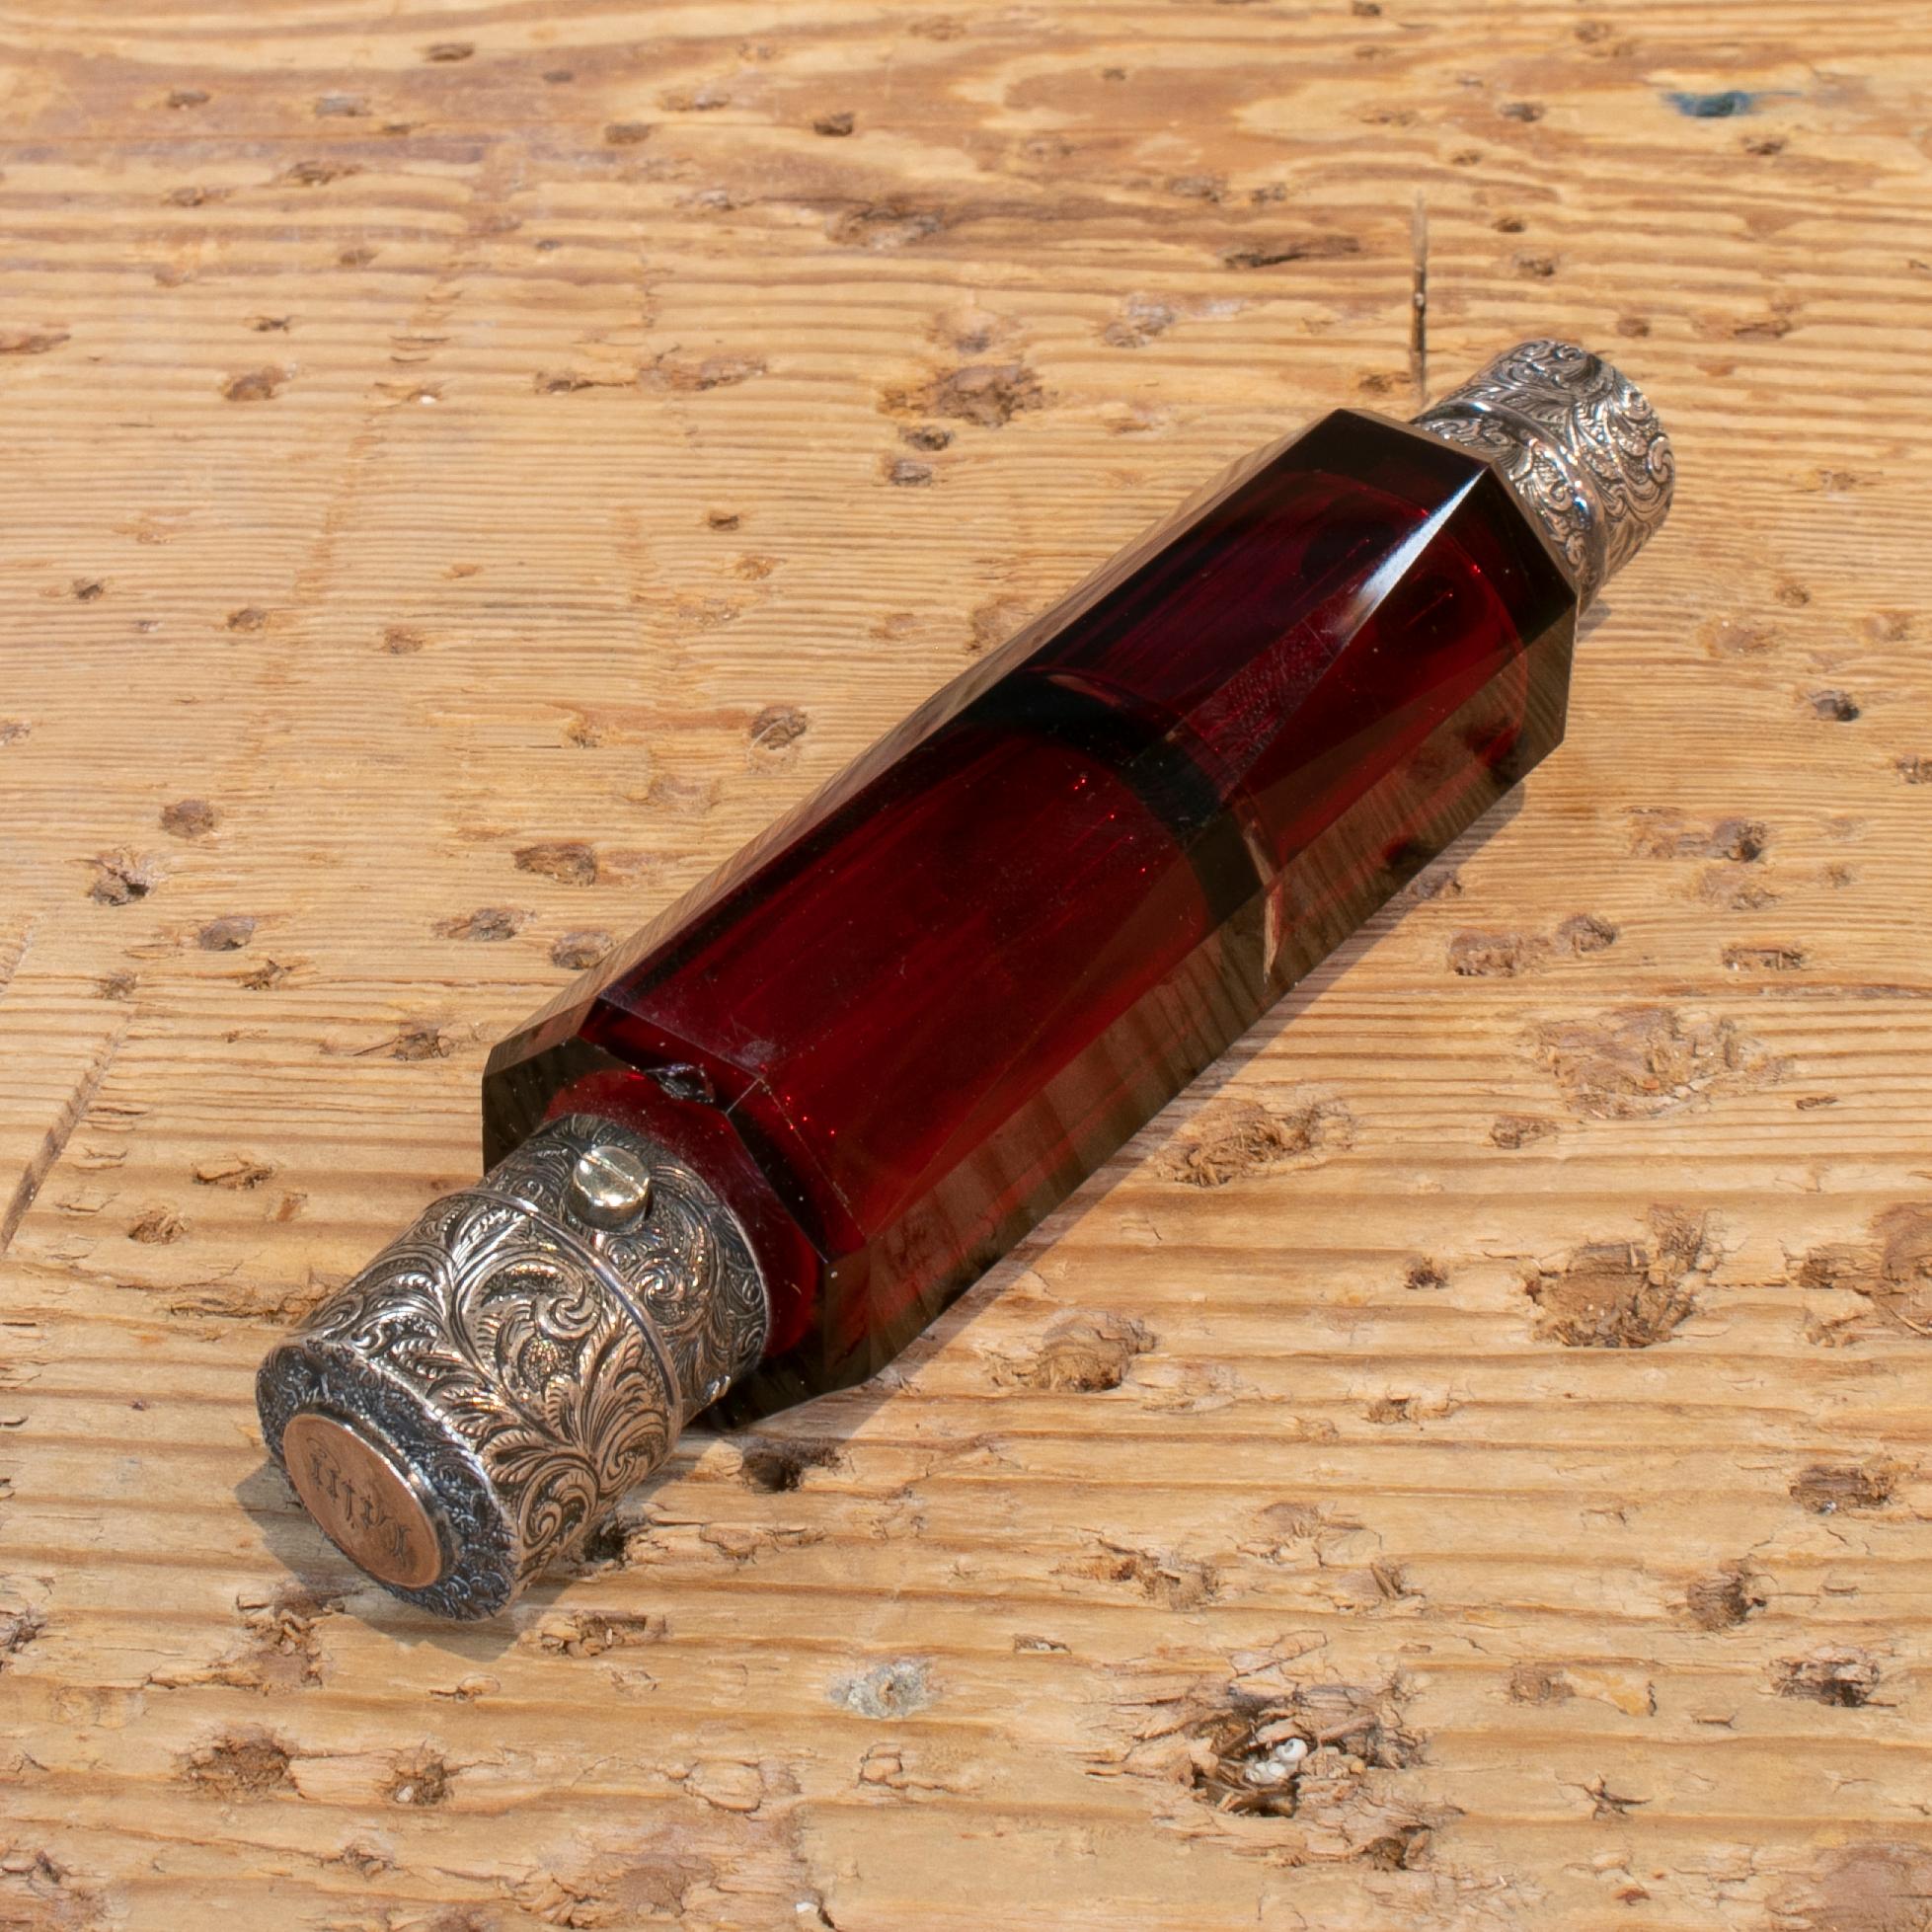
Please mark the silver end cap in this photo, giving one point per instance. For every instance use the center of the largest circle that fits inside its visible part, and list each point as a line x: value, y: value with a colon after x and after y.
x: 1577, y: 444
x: 467, y: 1410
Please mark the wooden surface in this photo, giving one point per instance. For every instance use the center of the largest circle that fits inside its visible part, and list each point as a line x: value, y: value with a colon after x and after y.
x: 468, y: 468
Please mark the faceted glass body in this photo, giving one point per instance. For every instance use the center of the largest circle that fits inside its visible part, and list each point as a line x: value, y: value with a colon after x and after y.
x: 905, y: 1024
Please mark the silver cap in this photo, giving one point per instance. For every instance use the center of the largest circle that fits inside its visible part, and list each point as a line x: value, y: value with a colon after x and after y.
x: 1577, y: 442
x: 466, y: 1410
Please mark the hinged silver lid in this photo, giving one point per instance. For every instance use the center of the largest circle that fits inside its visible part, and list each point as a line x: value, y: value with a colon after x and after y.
x: 470, y: 1405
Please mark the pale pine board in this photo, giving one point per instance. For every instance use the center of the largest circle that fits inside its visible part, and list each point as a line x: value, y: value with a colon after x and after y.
x: 468, y: 580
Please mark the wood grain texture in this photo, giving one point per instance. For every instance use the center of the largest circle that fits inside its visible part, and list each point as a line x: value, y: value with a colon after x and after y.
x: 471, y: 466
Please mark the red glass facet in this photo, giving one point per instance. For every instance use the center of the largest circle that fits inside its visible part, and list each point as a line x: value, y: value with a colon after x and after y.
x: 904, y: 1025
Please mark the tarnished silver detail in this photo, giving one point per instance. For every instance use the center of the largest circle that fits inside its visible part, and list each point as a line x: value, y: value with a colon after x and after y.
x: 524, y: 1365
x: 610, y: 1187
x: 1579, y: 445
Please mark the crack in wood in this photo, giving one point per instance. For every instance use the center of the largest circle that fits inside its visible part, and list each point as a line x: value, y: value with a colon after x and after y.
x: 65, y: 1124
x: 1419, y: 300
x: 13, y: 954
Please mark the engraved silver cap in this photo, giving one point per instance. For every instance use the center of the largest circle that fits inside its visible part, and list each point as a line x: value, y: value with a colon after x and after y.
x: 1577, y: 442
x: 467, y: 1410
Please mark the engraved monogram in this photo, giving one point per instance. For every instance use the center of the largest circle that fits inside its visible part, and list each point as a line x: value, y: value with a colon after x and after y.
x: 359, y: 1511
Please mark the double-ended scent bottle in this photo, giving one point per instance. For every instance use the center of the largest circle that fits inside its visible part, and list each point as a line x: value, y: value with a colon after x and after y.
x: 746, y: 1159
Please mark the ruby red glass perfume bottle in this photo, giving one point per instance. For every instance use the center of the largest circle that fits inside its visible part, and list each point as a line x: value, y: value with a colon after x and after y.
x: 752, y: 1155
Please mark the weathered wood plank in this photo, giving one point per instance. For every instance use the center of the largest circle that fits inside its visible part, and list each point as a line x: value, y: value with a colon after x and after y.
x: 498, y: 431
